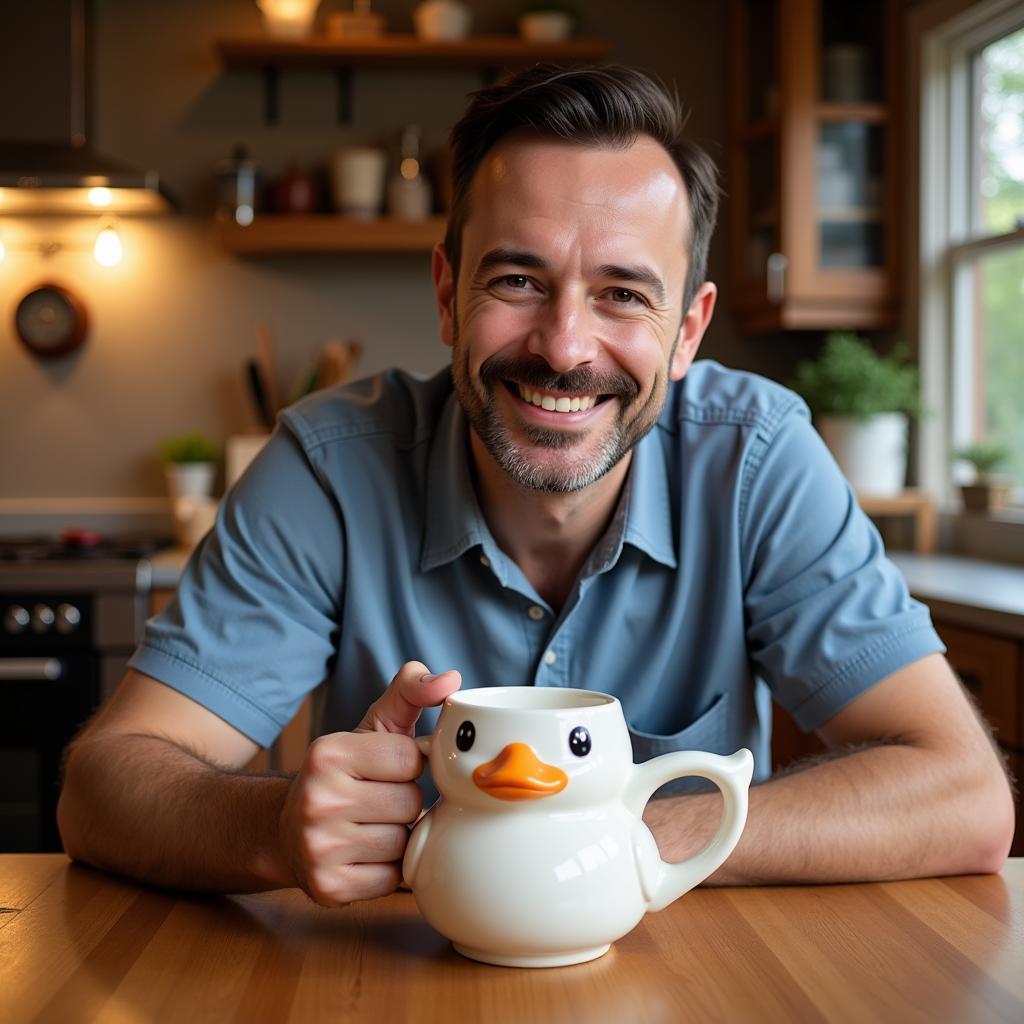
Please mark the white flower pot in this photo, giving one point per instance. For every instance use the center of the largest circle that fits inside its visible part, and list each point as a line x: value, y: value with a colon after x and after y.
x: 189, y: 479
x: 872, y: 453
x: 441, y: 20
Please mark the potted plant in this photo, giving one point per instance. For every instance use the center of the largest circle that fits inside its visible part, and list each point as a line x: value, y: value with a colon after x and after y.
x: 862, y: 402
x: 190, y: 464
x: 988, y: 490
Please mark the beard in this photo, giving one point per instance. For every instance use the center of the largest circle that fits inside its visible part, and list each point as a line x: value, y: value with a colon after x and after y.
x: 583, y: 458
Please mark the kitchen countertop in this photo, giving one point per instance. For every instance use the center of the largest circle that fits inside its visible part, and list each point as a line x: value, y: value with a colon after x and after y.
x: 961, y: 591
x: 967, y: 592
x: 168, y: 566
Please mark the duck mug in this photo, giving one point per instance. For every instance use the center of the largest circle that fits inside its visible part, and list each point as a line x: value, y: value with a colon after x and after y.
x: 536, y: 855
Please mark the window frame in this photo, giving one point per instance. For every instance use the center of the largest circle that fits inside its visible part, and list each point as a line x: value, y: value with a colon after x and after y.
x: 947, y: 245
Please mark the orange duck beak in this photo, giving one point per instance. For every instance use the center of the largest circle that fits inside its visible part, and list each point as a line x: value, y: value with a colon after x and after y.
x: 518, y: 774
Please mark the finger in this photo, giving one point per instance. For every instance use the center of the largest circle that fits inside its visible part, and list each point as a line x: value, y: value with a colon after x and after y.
x: 413, y: 688
x: 372, y: 844
x: 373, y: 756
x: 387, y: 803
x: 335, y: 887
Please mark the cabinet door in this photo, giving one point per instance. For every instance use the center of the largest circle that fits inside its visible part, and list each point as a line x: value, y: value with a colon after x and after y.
x: 839, y: 151
x: 814, y: 163
x: 989, y: 667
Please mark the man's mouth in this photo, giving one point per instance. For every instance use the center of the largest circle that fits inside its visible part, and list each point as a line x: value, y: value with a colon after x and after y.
x: 555, y: 401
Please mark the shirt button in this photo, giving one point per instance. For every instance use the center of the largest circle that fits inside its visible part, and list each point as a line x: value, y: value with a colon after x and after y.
x: 550, y: 658
x: 485, y: 561
x: 536, y: 612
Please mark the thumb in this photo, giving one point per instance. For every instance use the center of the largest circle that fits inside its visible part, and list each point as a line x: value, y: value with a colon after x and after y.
x: 412, y: 689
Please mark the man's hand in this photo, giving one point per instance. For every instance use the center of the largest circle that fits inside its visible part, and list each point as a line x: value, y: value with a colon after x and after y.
x: 345, y: 820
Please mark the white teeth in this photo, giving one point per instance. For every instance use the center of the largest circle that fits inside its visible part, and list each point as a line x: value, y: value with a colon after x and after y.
x: 561, y: 404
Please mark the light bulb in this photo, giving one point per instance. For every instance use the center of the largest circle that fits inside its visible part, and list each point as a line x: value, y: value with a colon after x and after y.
x: 100, y: 196
x: 3, y: 251
x: 107, y: 249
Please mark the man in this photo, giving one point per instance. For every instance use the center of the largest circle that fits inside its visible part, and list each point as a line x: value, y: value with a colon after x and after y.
x: 575, y: 504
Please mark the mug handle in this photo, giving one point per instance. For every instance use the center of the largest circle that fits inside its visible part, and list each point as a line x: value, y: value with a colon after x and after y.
x: 663, y: 882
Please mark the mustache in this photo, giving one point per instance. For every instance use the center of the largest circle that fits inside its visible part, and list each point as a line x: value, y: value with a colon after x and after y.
x: 536, y: 373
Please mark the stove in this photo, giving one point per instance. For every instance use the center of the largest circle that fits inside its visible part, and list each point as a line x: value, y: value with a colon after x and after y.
x: 72, y: 611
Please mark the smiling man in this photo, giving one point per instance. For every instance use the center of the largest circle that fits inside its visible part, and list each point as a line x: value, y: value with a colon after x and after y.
x: 575, y: 503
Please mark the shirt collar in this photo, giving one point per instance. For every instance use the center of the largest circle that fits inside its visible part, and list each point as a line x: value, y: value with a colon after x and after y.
x: 454, y: 522
x: 649, y: 508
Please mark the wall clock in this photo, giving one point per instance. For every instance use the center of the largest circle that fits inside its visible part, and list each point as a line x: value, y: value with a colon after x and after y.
x: 51, y: 321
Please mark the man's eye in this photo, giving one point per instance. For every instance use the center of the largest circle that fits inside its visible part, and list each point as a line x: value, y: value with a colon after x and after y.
x: 515, y: 280
x: 624, y: 295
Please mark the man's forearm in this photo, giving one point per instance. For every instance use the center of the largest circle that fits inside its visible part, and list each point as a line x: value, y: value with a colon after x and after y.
x: 881, y: 812
x: 144, y: 807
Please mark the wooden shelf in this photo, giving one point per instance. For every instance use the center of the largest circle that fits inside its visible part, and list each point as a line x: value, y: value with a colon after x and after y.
x: 396, y: 50
x: 272, y: 234
x: 850, y: 214
x: 867, y: 113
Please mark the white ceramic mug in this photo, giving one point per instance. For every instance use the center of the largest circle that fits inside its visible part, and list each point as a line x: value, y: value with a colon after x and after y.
x: 537, y: 855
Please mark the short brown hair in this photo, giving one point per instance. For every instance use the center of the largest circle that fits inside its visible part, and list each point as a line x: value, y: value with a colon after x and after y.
x: 602, y: 105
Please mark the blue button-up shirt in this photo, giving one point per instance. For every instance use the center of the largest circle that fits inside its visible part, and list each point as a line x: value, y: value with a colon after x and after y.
x: 737, y: 567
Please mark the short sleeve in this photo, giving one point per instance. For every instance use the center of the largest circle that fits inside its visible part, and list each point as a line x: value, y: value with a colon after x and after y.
x: 253, y: 626
x: 828, y: 615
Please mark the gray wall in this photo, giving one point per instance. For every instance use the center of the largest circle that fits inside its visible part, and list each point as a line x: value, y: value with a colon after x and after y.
x: 173, y: 324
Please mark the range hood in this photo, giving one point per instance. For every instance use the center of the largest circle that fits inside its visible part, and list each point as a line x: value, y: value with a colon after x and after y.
x: 46, y: 162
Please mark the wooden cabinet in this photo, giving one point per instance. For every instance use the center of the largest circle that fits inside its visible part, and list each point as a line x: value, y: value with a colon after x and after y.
x: 323, y: 233
x: 813, y: 177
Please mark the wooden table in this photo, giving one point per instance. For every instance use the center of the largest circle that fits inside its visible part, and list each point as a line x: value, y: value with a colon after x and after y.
x: 76, y: 945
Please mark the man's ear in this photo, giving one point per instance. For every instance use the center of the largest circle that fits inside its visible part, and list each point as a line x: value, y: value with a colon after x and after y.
x: 444, y: 292
x: 692, y: 329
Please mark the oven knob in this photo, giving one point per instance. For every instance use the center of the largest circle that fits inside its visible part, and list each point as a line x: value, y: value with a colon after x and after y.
x: 16, y: 619
x: 68, y: 618
x: 42, y: 618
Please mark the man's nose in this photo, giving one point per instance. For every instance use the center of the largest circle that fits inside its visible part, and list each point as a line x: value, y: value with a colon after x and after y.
x: 564, y: 333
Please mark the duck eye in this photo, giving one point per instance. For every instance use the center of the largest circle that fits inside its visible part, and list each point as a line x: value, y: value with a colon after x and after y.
x: 465, y: 736
x: 579, y: 741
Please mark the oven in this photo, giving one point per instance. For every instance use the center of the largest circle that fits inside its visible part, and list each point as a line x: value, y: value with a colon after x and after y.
x: 67, y: 629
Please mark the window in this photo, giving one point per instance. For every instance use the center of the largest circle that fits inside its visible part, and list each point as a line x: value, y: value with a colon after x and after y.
x: 972, y: 241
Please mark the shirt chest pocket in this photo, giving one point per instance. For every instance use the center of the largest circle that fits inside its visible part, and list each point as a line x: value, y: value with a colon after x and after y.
x: 709, y: 731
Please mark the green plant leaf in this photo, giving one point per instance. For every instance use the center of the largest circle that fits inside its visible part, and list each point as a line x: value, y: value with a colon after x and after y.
x: 192, y: 447
x: 850, y: 378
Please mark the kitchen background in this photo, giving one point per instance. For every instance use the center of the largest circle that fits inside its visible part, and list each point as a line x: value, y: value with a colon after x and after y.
x: 173, y: 324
